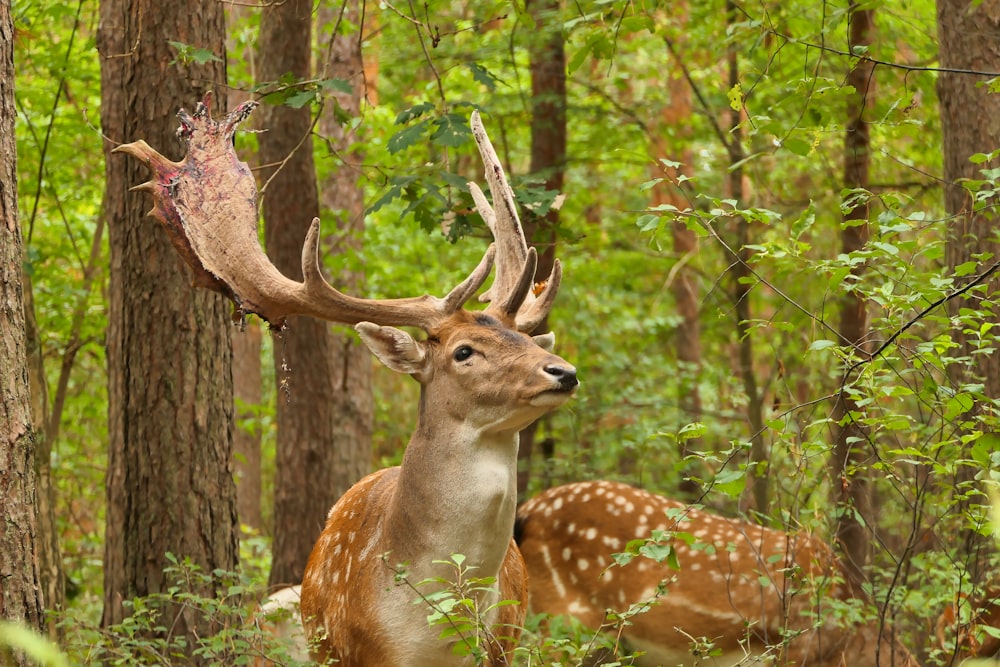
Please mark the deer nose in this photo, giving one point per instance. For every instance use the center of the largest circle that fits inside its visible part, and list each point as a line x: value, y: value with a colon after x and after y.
x: 564, y: 375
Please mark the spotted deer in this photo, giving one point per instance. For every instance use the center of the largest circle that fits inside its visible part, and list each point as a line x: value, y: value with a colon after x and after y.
x: 482, y: 380
x: 759, y: 596
x: 970, y: 627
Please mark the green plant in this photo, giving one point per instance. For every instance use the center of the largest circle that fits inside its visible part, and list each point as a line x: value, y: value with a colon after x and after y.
x: 236, y: 632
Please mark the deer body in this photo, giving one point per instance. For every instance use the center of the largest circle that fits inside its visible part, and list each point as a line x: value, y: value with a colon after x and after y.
x: 482, y: 380
x: 755, y: 593
x: 455, y: 493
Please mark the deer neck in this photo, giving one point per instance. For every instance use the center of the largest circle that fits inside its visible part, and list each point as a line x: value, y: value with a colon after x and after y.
x: 457, y: 494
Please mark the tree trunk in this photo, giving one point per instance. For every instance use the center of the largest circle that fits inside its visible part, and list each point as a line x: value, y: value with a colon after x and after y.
x: 352, y: 404
x: 303, y: 353
x: 671, y: 140
x: 849, y: 459
x: 52, y: 576
x: 548, y: 161
x: 755, y: 497
x: 247, y: 388
x: 20, y: 584
x: 169, y: 482
x: 246, y: 440
x: 969, y: 39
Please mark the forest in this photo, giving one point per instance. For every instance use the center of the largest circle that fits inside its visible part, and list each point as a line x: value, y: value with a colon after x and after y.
x: 775, y: 225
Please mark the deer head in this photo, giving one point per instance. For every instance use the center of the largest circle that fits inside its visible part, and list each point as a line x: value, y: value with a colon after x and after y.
x: 482, y: 380
x: 745, y: 589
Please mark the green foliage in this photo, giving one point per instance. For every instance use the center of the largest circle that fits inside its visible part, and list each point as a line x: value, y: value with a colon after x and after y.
x: 460, y: 604
x: 187, y: 54
x: 31, y: 645
x: 241, y: 634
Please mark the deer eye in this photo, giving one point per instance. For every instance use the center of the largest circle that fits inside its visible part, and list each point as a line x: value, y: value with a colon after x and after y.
x: 462, y: 353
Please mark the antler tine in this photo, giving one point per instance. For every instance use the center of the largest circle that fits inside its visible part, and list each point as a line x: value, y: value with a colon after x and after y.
x: 208, y: 205
x: 322, y: 300
x: 512, y: 248
x: 512, y: 303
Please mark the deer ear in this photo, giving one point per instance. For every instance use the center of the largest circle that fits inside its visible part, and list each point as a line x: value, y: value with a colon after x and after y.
x: 396, y: 349
x: 546, y: 341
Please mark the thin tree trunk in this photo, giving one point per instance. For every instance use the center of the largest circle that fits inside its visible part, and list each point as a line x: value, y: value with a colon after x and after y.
x: 756, y: 494
x: 47, y: 425
x: 352, y: 405
x: 849, y: 459
x: 169, y: 482
x: 52, y: 576
x: 969, y: 39
x: 303, y: 353
x: 548, y: 160
x: 20, y: 584
x: 671, y: 137
x: 247, y: 392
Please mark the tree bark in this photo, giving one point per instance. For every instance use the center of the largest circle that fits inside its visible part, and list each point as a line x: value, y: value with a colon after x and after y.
x: 169, y: 481
x: 850, y: 456
x: 303, y: 353
x: 52, y: 576
x: 352, y: 404
x: 671, y: 139
x: 969, y: 39
x: 20, y: 584
x: 755, y: 496
x: 548, y: 161
x: 247, y: 388
x: 247, y: 391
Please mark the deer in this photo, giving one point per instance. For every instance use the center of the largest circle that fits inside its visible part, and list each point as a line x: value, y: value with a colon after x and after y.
x: 743, y: 594
x: 979, y: 635
x: 482, y: 378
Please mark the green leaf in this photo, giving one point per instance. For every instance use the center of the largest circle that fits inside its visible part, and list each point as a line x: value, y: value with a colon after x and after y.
x: 482, y: 75
x: 798, y: 146
x: 637, y: 23
x: 578, y: 57
x: 735, y: 95
x: 417, y: 110
x: 648, y: 222
x: 451, y: 130
x: 958, y: 405
x: 337, y: 86
x: 300, y: 99
x: 822, y: 344
x: 730, y: 482
x: 659, y: 552
x: 188, y: 54
x: 406, y: 137
x: 965, y: 269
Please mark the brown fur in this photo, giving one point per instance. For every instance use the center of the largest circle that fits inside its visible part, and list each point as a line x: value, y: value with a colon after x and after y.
x: 970, y: 640
x: 353, y: 625
x: 739, y: 584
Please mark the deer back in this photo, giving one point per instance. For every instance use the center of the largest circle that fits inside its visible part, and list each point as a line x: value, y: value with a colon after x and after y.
x: 743, y: 587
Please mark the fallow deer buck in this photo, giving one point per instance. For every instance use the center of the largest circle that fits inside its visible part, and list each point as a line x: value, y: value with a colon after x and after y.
x: 482, y: 380
x: 759, y: 596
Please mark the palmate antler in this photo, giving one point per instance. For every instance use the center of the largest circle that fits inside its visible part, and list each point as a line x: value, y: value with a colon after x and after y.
x: 207, y: 203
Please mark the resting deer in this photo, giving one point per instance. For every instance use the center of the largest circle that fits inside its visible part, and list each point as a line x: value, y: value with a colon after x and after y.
x: 976, y: 637
x: 748, y: 590
x: 482, y: 380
